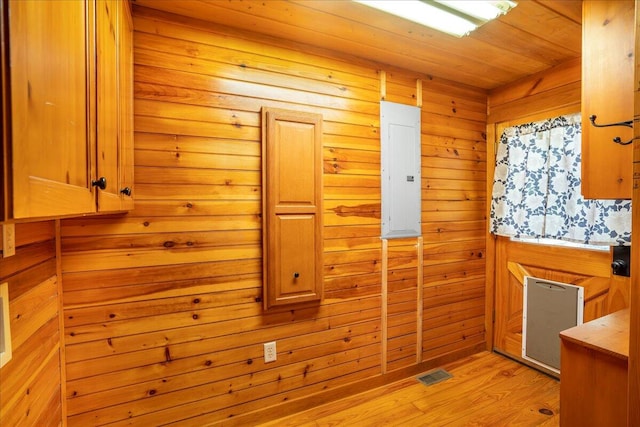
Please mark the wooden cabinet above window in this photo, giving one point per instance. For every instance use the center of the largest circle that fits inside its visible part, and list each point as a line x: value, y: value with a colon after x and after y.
x: 70, y: 83
x: 607, y: 93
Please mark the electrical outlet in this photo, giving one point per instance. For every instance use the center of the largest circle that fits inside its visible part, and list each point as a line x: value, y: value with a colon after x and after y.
x: 270, y: 352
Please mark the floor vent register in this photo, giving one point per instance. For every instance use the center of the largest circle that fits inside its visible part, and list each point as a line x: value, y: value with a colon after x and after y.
x: 434, y: 377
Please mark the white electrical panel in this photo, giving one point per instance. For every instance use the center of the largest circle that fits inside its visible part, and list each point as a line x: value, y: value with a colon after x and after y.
x: 401, y: 175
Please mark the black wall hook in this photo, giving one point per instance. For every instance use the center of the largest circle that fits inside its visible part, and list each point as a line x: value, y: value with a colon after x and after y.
x: 592, y: 118
x: 617, y: 139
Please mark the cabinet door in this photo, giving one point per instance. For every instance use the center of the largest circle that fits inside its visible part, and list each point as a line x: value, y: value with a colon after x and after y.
x: 107, y: 103
x: 126, y: 105
x: 607, y: 93
x: 292, y: 207
x: 114, y: 104
x: 50, y: 71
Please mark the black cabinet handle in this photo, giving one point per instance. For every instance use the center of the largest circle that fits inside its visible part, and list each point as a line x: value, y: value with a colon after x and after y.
x: 101, y: 183
x: 296, y: 275
x: 126, y: 191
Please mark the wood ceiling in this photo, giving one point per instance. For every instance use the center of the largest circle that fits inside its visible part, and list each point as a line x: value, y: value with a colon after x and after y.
x: 536, y: 35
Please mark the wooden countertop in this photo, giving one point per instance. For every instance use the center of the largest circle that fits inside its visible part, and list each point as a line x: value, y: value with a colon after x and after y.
x: 608, y: 334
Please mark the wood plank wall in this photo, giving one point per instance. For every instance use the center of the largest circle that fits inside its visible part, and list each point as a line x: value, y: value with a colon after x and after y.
x: 540, y: 96
x: 545, y: 95
x: 453, y: 219
x: 163, y: 314
x: 30, y: 382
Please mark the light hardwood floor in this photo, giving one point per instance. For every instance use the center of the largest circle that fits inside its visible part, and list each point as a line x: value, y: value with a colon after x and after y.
x: 486, y: 390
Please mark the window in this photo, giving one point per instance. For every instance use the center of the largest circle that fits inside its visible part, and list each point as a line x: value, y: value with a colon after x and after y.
x: 537, y: 188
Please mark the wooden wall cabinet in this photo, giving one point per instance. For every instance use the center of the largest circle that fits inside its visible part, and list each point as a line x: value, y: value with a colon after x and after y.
x: 607, y: 92
x: 292, y: 207
x: 70, y: 79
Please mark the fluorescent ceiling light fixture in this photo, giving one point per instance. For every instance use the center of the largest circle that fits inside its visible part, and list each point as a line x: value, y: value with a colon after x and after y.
x: 455, y: 17
x: 482, y: 10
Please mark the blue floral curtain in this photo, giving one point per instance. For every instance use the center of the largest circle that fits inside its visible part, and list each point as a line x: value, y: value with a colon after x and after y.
x: 537, y: 188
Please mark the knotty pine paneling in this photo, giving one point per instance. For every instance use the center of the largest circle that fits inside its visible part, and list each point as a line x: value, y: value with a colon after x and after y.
x: 538, y: 97
x: 162, y: 305
x: 550, y: 90
x: 453, y: 220
x: 402, y: 303
x: 31, y: 382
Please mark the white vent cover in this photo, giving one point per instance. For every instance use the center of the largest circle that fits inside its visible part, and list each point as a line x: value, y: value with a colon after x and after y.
x: 548, y: 308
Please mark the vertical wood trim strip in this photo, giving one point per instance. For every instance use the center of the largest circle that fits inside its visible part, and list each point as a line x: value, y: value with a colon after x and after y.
x: 633, y: 395
x: 63, y: 359
x: 384, y: 309
x: 383, y: 84
x: 92, y: 92
x: 265, y: 212
x: 4, y: 111
x: 418, y: 93
x: 420, y: 304
x: 490, y: 256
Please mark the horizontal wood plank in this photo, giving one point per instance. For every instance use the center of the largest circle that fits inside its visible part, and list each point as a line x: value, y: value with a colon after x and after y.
x: 163, y: 311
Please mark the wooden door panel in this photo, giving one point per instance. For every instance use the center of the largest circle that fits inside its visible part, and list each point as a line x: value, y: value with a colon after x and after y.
x: 587, y: 268
x: 114, y: 104
x: 618, y: 293
x: 294, y: 266
x: 294, y: 155
x: 125, y: 90
x: 294, y: 161
x: 51, y: 160
x: 107, y: 103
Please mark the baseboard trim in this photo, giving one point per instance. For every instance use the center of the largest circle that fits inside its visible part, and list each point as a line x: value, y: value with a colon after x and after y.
x: 317, y: 399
